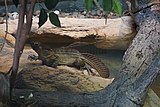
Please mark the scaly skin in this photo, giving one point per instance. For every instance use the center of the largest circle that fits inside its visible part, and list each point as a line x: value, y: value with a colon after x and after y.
x: 70, y: 57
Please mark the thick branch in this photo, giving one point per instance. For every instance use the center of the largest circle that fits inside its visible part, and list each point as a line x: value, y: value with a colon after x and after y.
x: 29, y: 16
x: 18, y: 51
x: 21, y: 36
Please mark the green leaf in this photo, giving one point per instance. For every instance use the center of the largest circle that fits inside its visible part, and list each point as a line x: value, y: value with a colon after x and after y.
x: 16, y: 2
x: 50, y: 4
x: 117, y: 7
x: 94, y: 4
x: 107, y: 6
x: 54, y: 19
x: 88, y: 4
x: 42, y: 17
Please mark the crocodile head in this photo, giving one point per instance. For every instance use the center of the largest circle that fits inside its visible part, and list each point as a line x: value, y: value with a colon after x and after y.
x: 44, y: 52
x: 36, y: 46
x: 39, y: 47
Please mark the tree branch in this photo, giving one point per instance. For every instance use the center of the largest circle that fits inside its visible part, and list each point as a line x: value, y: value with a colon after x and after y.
x: 17, y: 51
x: 21, y: 36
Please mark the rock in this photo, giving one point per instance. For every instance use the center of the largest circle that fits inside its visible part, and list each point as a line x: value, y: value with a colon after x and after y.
x: 9, y: 38
x: 152, y: 100
x: 1, y: 20
x: 12, y: 26
x: 6, y: 58
x: 36, y: 13
x: 156, y: 86
x: 92, y: 31
x: 43, y: 78
x: 68, y: 5
x: 13, y: 15
x: 57, y: 12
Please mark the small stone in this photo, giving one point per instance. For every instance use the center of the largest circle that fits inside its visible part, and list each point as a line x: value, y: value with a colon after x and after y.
x: 30, y: 96
x: 99, y: 13
x: 81, y: 16
x: 93, y: 12
x: 75, y: 13
x: 36, y: 13
x: 85, y: 72
x: 1, y: 20
x: 84, y: 13
x: 66, y: 14
x: 21, y: 97
x: 57, y: 12
x: 13, y: 15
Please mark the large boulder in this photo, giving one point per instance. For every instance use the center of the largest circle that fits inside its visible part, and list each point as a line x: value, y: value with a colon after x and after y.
x: 116, y: 34
x: 6, y: 58
x: 43, y: 78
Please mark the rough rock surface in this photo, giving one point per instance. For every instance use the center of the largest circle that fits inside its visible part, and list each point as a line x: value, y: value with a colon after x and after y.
x: 116, y: 34
x: 43, y: 78
x: 6, y: 58
x: 152, y: 100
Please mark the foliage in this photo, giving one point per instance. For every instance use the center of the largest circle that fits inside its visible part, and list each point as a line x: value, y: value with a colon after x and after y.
x: 16, y: 2
x: 108, y: 6
x: 54, y: 19
x: 42, y: 17
x: 117, y: 7
x: 50, y: 4
x: 88, y: 4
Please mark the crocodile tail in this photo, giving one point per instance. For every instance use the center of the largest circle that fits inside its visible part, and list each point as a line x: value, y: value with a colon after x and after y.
x: 97, y: 64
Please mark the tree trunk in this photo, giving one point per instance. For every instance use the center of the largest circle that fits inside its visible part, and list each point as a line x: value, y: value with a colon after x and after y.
x: 141, y: 64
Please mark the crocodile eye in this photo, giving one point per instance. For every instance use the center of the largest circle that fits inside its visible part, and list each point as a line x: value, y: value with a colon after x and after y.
x: 36, y: 43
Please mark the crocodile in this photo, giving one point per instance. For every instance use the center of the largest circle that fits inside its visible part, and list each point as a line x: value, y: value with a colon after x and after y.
x: 70, y: 57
